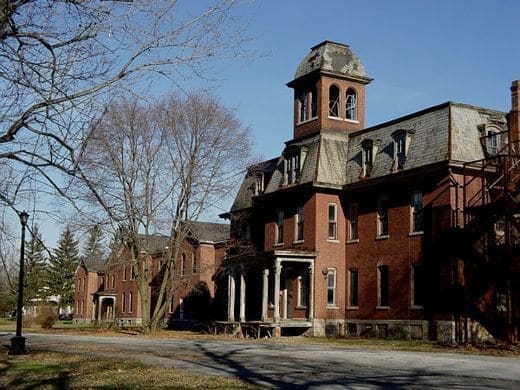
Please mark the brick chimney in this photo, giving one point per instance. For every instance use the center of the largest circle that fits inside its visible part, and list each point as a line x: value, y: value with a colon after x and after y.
x: 514, y: 114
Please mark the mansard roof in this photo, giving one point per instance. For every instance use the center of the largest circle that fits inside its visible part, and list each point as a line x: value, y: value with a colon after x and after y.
x: 332, y: 58
x: 450, y: 132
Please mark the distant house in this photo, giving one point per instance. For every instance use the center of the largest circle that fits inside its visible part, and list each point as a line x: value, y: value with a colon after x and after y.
x: 405, y: 229
x: 106, y: 291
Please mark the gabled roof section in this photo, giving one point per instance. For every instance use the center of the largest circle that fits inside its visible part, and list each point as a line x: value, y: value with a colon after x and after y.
x: 154, y: 243
x: 93, y: 265
x: 209, y: 231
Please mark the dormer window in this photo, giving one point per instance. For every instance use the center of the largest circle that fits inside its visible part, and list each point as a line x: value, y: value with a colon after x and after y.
x: 367, y: 157
x: 492, y: 142
x: 351, y: 105
x: 292, y: 167
x: 259, y: 183
x: 334, y: 101
x: 402, y: 140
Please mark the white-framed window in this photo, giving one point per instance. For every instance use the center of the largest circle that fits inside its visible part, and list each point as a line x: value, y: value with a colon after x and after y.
x: 124, y: 273
x: 351, y: 105
x: 334, y: 101
x: 332, y: 221
x: 367, y: 157
x: 331, y: 287
x: 130, y: 301
x: 298, y: 224
x: 418, y: 287
x: 123, y: 302
x: 303, y: 290
x: 399, y: 149
x: 353, y: 290
x: 383, y: 292
x: 181, y: 308
x: 113, y: 284
x: 417, y: 217
x: 492, y: 142
x: 259, y: 183
x: 353, y: 221
x: 132, y: 273
x: 292, y: 168
x: 382, y: 217
x: 278, y: 239
x: 304, y: 106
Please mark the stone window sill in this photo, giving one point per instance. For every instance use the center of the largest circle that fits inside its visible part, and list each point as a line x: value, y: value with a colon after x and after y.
x: 298, y: 242
x: 278, y: 245
x: 419, y: 233
x: 416, y: 307
x: 335, y: 118
x: 352, y: 307
x: 351, y: 120
x: 332, y: 307
x: 383, y: 237
x: 382, y: 307
x: 301, y: 307
x: 332, y: 240
x: 353, y: 241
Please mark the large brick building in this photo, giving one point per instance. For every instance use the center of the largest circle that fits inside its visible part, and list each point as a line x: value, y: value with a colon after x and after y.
x: 106, y: 289
x: 372, y: 231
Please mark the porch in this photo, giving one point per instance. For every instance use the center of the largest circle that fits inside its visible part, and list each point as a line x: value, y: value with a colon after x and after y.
x: 275, y: 294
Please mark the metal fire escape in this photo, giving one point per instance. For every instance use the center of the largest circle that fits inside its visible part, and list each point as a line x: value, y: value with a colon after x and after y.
x: 491, y: 200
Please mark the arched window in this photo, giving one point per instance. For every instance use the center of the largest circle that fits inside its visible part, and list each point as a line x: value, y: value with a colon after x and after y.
x: 334, y: 101
x: 314, y: 102
x: 351, y: 104
x: 304, y: 106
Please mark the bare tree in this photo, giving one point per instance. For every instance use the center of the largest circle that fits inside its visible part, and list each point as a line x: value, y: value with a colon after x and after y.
x: 159, y: 167
x: 63, y: 62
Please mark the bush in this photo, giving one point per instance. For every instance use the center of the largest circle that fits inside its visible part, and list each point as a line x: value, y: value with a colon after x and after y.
x: 47, y: 317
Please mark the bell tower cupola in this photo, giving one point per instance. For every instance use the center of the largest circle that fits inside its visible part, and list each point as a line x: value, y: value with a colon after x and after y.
x: 329, y: 91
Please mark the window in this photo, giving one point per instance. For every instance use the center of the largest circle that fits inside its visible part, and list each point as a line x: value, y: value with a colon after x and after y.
x: 314, y: 103
x: 130, y: 301
x: 492, y: 142
x: 353, y: 299
x: 399, y: 149
x: 123, y: 302
x: 382, y: 217
x: 418, y: 287
x: 181, y: 309
x: 124, y: 273
x: 367, y: 158
x: 183, y: 264
x: 351, y: 104
x: 332, y: 221
x: 382, y: 286
x: 334, y: 101
x: 304, y: 106
x: 303, y: 290
x: 193, y: 264
x: 279, y: 227
x: 292, y: 168
x: 331, y: 287
x: 113, y: 285
x: 417, y: 211
x: 353, y: 222
x: 298, y: 224
x: 171, y: 306
x: 259, y: 183
x: 132, y: 273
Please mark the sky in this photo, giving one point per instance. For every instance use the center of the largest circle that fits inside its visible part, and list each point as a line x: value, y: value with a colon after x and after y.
x: 419, y: 53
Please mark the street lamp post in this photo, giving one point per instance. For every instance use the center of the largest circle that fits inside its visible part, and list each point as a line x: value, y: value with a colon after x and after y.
x: 18, y: 342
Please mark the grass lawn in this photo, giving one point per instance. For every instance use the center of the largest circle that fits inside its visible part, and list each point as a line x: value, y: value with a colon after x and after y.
x: 53, y: 370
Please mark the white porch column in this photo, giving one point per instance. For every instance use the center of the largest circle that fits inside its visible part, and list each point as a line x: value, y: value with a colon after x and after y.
x: 276, y: 297
x: 311, y: 291
x: 100, y: 302
x: 242, y: 314
x: 231, y: 297
x: 265, y: 293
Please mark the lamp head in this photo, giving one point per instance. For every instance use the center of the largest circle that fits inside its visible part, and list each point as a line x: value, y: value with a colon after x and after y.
x: 24, y: 217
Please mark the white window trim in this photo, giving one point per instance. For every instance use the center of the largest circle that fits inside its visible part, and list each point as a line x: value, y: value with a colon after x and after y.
x: 300, y: 304
x: 413, y: 231
x: 349, y: 306
x: 379, y: 234
x: 278, y: 241
x: 296, y: 222
x: 334, y: 304
x: 379, y: 290
x: 335, y: 221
